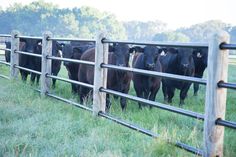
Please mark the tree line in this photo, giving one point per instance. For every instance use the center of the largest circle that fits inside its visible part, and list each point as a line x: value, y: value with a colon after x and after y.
x: 85, y: 22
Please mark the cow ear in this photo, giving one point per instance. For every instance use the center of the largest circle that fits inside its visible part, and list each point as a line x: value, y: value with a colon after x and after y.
x: 22, y: 40
x: 138, y: 49
x: 173, y: 50
x: 62, y: 45
x: 39, y: 42
x: 111, y: 48
x: 77, y: 50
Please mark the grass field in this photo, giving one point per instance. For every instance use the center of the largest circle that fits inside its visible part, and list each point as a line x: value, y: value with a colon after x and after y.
x: 34, y: 126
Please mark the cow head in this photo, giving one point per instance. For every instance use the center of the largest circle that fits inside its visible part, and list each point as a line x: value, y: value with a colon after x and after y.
x: 121, y: 54
x: 30, y: 44
x: 201, y: 54
x: 67, y: 52
x: 150, y: 55
x: 184, y: 57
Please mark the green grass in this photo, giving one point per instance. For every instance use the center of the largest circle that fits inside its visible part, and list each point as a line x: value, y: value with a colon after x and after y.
x: 34, y: 126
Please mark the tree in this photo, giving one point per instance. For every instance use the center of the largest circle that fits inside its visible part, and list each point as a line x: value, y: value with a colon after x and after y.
x: 203, y: 31
x: 171, y: 37
x: 143, y: 31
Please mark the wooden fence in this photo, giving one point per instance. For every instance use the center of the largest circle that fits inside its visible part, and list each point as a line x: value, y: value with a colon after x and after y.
x: 216, y: 84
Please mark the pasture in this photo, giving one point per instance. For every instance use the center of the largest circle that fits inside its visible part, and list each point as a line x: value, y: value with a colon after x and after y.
x: 32, y: 126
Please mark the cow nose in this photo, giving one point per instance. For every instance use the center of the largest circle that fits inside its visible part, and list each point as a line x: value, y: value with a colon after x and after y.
x: 66, y: 63
x: 121, y: 65
x: 185, y: 65
x: 151, y: 65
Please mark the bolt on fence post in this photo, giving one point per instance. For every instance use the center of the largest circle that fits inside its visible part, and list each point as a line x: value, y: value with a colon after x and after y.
x: 215, y: 102
x: 46, y: 63
x: 15, y: 44
x: 100, y: 75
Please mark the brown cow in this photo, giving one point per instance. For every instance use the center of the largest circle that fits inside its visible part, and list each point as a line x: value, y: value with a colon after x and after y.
x: 117, y: 80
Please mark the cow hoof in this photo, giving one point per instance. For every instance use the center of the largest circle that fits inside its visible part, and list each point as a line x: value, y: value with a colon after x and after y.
x: 195, y: 94
x: 181, y: 103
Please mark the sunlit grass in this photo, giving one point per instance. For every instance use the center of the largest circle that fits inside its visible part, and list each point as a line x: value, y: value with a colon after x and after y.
x: 34, y: 126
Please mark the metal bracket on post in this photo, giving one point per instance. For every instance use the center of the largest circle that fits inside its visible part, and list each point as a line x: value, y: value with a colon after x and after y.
x: 215, y: 102
x: 46, y: 63
x: 15, y: 44
x: 100, y: 75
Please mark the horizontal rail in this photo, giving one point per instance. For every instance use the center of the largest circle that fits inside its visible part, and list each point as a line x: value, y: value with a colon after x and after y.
x: 71, y: 60
x: 70, y: 102
x: 226, y: 123
x: 72, y: 39
x: 29, y: 37
x: 155, y: 73
x: 29, y: 70
x: 227, y: 85
x: 70, y: 81
x: 156, y: 104
x: 129, y: 125
x: 228, y: 46
x: 3, y: 76
x: 149, y: 133
x: 5, y: 49
x: 29, y: 54
x: 186, y: 45
x: 5, y: 35
x: 2, y: 62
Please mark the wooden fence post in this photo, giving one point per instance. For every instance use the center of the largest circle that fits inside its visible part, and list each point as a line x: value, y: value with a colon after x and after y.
x: 15, y: 44
x: 215, y: 102
x: 46, y: 63
x: 100, y: 75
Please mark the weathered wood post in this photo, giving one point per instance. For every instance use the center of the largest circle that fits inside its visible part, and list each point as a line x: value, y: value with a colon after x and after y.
x: 215, y: 102
x: 46, y: 63
x: 100, y: 75
x: 15, y: 44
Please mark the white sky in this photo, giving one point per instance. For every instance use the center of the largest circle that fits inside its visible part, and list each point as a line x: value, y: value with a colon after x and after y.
x: 176, y: 13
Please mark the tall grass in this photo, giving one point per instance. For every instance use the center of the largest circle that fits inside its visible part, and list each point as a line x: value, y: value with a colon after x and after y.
x: 34, y: 126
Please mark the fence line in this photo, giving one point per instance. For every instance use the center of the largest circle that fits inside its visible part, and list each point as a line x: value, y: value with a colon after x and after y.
x: 216, y: 82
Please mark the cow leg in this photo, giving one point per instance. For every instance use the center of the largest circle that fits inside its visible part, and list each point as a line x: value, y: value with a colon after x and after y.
x: 38, y: 77
x: 170, y: 92
x: 84, y: 92
x: 24, y: 76
x: 32, y: 78
x: 74, y: 88
x: 153, y: 94
x: 139, y: 94
x: 196, y: 88
x: 164, y: 90
x: 146, y: 96
x: 53, y: 83
x: 196, y: 85
x: 123, y: 101
x: 108, y: 102
x: 183, y: 93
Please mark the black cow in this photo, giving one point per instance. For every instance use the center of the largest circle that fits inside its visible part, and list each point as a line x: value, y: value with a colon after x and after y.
x: 74, y: 52
x: 116, y: 80
x: 26, y: 61
x: 147, y: 86
x: 180, y: 62
x: 36, y: 61
x: 200, y: 56
x: 8, y: 53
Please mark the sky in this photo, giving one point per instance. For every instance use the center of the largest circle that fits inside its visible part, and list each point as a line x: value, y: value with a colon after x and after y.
x: 176, y: 13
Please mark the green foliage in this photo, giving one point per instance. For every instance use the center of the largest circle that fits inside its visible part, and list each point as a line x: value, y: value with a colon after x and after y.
x: 38, y: 16
x: 171, y: 37
x: 143, y: 31
x: 203, y: 31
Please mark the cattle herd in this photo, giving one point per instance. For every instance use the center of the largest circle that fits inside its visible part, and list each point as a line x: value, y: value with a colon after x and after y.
x: 180, y: 61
